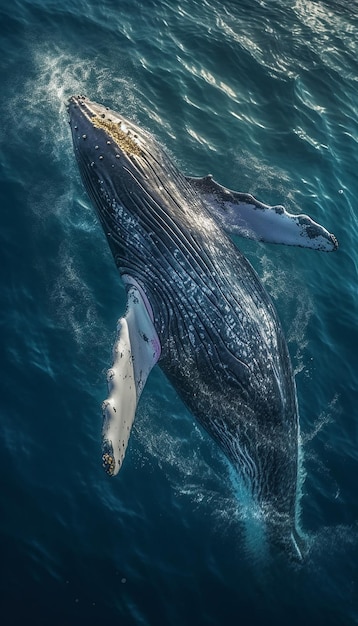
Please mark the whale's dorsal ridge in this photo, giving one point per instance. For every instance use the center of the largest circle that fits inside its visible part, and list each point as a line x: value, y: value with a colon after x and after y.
x: 136, y: 351
x: 241, y: 214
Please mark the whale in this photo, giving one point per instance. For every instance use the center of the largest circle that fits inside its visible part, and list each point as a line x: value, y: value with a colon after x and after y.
x: 197, y: 308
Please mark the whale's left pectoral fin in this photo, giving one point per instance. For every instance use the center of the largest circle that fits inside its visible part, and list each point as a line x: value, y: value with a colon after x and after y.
x: 241, y: 214
x: 136, y: 351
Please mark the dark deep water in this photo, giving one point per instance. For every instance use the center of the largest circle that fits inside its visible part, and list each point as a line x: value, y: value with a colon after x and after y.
x: 263, y: 95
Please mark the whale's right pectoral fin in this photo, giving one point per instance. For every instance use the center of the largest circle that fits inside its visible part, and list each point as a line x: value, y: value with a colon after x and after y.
x: 136, y: 351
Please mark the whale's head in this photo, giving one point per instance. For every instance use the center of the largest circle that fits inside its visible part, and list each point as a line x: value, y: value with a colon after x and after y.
x: 117, y: 161
x: 126, y: 173
x: 105, y: 141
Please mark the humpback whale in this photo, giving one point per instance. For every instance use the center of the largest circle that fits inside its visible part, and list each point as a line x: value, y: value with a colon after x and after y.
x: 196, y: 307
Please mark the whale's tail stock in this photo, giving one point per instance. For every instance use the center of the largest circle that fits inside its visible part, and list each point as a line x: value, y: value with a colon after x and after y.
x: 289, y: 540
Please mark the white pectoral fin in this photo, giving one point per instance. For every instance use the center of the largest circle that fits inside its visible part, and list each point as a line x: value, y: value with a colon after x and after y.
x: 241, y: 214
x: 136, y: 351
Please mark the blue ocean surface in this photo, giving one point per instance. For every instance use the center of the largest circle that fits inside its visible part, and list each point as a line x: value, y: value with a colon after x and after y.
x: 263, y: 95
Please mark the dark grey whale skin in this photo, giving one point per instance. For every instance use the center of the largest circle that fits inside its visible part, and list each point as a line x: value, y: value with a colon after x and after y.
x: 222, y: 345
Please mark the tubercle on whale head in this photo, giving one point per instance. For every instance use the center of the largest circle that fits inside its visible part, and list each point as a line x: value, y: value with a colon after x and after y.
x: 109, y: 150
x: 97, y: 130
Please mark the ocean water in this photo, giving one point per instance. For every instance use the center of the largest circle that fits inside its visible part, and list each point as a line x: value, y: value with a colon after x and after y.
x: 263, y: 95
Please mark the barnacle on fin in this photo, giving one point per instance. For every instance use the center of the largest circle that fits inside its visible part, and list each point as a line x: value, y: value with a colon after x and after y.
x: 108, y: 463
x: 108, y: 460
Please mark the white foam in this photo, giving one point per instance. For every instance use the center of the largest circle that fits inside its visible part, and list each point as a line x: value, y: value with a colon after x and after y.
x: 197, y: 470
x: 39, y: 109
